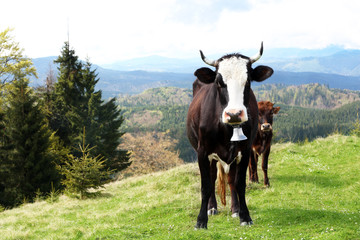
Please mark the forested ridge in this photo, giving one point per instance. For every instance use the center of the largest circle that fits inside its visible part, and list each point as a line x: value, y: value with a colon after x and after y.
x: 157, y: 96
x: 298, y: 124
x: 309, y: 96
x: 307, y: 112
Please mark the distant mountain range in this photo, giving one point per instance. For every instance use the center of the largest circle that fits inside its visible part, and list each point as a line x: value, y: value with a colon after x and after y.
x: 332, y: 60
x: 346, y: 62
x: 334, y: 67
x: 114, y: 82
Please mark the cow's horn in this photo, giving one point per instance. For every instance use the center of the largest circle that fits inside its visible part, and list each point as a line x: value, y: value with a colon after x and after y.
x: 257, y: 56
x: 207, y: 61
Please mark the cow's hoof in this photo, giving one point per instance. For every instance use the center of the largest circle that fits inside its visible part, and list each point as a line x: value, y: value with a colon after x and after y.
x: 246, y: 223
x: 212, y: 211
x: 235, y: 215
x: 200, y: 226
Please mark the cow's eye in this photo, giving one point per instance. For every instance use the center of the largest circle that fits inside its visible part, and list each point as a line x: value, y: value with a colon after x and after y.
x: 219, y: 80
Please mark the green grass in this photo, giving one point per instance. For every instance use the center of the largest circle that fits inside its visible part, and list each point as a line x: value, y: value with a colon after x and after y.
x: 314, y: 194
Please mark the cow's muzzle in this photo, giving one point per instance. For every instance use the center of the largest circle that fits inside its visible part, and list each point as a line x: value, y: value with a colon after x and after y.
x: 233, y: 116
x: 266, y: 127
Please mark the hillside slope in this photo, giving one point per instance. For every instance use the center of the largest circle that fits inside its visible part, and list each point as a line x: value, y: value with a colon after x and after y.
x: 307, y: 95
x: 157, y: 97
x: 314, y: 194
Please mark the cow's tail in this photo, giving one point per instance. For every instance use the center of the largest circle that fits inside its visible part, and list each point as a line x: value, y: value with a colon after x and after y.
x: 221, y: 183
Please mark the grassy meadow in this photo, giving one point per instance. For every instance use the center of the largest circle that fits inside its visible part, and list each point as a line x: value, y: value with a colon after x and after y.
x: 314, y: 194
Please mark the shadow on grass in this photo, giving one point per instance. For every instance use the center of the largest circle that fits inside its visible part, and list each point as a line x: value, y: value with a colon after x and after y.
x: 104, y: 195
x: 325, y: 181
x: 288, y: 217
x: 90, y: 195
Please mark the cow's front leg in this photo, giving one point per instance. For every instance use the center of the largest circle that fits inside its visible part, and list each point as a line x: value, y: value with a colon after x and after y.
x: 240, y: 183
x: 206, y: 189
x: 212, y: 205
x: 235, y: 207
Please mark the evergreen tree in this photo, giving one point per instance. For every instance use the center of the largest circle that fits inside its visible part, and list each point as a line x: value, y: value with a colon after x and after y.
x: 82, y: 106
x: 66, y: 97
x: 4, y: 163
x: 110, y: 120
x: 102, y: 121
x: 88, y: 106
x: 27, y: 167
x: 84, y: 172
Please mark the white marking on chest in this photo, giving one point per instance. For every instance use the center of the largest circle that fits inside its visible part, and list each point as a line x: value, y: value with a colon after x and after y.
x: 226, y: 166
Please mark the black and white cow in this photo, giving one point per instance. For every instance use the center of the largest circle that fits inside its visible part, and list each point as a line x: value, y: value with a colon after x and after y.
x: 221, y: 126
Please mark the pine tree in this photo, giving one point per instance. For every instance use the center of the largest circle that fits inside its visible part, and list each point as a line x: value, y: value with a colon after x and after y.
x: 66, y: 97
x: 88, y: 106
x: 27, y: 166
x: 82, y: 106
x: 5, y: 165
x: 84, y: 172
x: 110, y: 120
x: 102, y: 121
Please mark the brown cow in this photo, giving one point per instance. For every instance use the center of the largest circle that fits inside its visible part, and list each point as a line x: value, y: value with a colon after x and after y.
x: 261, y: 145
x: 221, y: 126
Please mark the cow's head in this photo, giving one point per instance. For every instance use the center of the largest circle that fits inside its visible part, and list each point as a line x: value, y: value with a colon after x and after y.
x: 266, y: 113
x: 233, y: 75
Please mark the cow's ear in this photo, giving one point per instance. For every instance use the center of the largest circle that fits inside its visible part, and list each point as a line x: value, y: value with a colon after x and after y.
x: 276, y: 110
x: 205, y: 75
x: 260, y: 73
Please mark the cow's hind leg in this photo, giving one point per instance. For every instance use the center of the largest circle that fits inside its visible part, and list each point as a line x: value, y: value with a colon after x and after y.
x: 240, y: 184
x: 265, y: 166
x: 206, y: 189
x: 253, y: 176
x: 212, y: 205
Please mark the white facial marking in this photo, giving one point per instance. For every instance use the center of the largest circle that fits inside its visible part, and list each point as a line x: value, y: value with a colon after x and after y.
x: 235, y: 75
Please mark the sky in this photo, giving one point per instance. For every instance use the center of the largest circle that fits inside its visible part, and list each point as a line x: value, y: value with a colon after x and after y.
x: 107, y: 31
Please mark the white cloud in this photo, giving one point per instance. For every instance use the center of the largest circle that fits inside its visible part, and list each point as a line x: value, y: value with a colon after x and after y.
x: 307, y: 23
x: 299, y: 23
x: 110, y: 30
